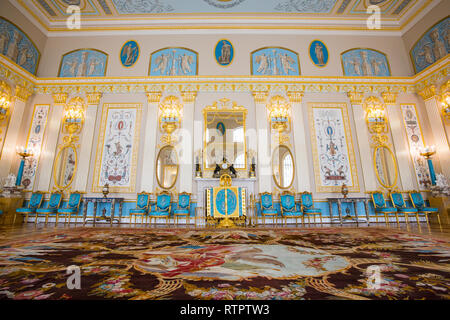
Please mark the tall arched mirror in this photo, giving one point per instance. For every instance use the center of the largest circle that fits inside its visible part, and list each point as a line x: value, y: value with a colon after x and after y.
x: 65, y: 166
x: 283, y: 167
x: 385, y: 166
x: 167, y: 167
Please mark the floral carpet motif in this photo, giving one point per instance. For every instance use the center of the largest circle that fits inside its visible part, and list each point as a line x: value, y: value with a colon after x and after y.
x: 325, y: 263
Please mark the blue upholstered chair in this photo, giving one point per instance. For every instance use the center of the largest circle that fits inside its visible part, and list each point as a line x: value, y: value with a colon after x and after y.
x: 183, y: 207
x: 72, y: 208
x: 142, y: 207
x: 34, y: 203
x: 162, y: 207
x: 419, y: 204
x: 308, y: 208
x: 380, y: 207
x: 289, y: 208
x: 52, y: 207
x: 267, y: 209
x: 400, y: 204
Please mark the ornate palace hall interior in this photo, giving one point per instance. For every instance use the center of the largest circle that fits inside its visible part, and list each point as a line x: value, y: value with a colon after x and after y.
x: 225, y: 149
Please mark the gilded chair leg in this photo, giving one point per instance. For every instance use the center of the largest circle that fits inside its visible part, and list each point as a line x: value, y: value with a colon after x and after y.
x: 439, y: 220
x: 396, y: 218
x: 321, y: 222
x: 46, y: 219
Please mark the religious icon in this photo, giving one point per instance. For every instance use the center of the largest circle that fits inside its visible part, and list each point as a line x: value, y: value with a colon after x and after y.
x: 318, y: 53
x: 129, y: 53
x: 224, y: 52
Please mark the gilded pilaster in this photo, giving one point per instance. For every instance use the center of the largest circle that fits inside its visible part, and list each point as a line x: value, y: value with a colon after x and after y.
x: 356, y: 97
x: 428, y: 92
x: 60, y: 98
x: 93, y: 97
x: 22, y: 93
x: 260, y: 96
x: 154, y: 96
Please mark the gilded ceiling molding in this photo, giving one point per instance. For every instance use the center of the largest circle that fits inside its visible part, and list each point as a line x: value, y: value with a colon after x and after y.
x: 154, y: 97
x: 22, y: 93
x: 94, y: 97
x: 428, y: 92
x: 295, y: 96
x: 389, y: 97
x: 356, y: 98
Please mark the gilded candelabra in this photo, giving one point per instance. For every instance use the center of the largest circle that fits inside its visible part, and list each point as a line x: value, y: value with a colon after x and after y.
x: 279, y: 116
x: 445, y: 104
x: 376, y: 120
x: 427, y: 152
x: 5, y: 101
x: 24, y: 153
x: 170, y: 117
x: 74, y: 117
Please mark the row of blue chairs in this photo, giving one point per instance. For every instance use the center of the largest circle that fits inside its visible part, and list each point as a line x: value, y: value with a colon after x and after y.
x: 399, y: 207
x: 71, y: 210
x: 163, y: 207
x: 289, y: 207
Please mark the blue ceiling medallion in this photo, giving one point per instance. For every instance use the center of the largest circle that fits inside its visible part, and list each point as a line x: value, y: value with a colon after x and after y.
x: 224, y: 4
x: 224, y: 52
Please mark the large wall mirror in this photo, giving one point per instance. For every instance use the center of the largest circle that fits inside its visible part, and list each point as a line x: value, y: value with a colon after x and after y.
x: 283, y: 167
x: 167, y: 167
x: 224, y: 137
x: 385, y: 166
x: 65, y: 166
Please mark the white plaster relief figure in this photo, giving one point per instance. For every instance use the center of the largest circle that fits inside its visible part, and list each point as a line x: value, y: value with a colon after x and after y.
x: 93, y: 63
x: 225, y: 53
x: 4, y: 39
x: 274, y: 64
x: 367, y: 71
x: 427, y: 53
x: 130, y: 54
x: 263, y: 63
x: 82, y: 68
x: 73, y: 64
x: 356, y: 65
x: 286, y: 62
x: 319, y: 53
x: 24, y: 55
x: 173, y: 70
x: 162, y: 61
x: 439, y: 49
x: 376, y: 66
x: 185, y: 62
x: 13, y: 48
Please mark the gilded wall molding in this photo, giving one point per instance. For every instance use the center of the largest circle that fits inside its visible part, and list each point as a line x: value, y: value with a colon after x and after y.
x: 389, y: 97
x: 428, y: 92
x: 60, y: 98
x: 22, y: 93
x: 356, y: 98
x: 188, y: 96
x: 295, y: 96
x: 260, y: 96
x: 154, y: 97
x: 93, y: 97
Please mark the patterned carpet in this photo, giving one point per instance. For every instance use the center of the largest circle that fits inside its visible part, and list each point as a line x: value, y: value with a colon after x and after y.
x: 325, y: 263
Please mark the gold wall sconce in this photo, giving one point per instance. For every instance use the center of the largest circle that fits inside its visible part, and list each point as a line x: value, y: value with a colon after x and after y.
x: 171, y: 112
x: 5, y: 100
x: 279, y: 116
x: 376, y: 120
x: 74, y: 116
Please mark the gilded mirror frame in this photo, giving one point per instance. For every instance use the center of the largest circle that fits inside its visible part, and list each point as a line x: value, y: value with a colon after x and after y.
x: 56, y: 165
x: 273, y: 167
x: 391, y: 153
x: 224, y: 105
x: 178, y: 167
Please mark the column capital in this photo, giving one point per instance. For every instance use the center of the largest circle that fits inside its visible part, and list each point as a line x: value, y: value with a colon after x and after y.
x: 154, y: 96
x: 22, y: 93
x: 295, y: 96
x: 260, y: 96
x: 355, y: 97
x: 428, y: 92
x: 389, y: 97
x: 188, y: 96
x: 60, y: 98
x: 93, y: 97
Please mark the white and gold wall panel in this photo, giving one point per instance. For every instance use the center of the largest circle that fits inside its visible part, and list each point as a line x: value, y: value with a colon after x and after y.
x: 34, y: 141
x: 332, y: 147
x: 117, y: 147
x: 415, y: 142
